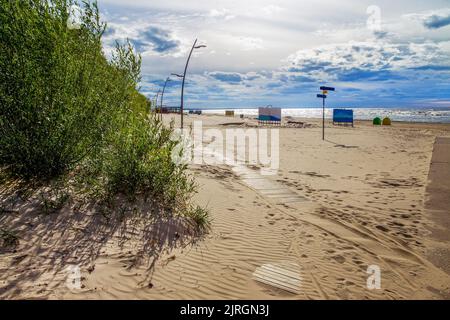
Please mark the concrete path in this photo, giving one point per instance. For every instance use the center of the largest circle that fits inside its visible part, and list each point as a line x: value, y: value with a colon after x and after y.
x: 438, y: 202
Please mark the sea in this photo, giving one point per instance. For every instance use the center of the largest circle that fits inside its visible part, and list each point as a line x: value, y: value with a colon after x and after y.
x: 434, y: 115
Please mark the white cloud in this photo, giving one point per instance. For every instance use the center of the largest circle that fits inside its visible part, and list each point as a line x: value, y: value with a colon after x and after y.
x: 380, y: 56
x: 272, y: 9
x: 222, y: 13
x: 321, y: 40
x: 249, y: 43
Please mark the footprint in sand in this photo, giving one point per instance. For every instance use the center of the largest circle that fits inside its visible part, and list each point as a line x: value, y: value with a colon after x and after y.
x: 398, y: 224
x: 382, y: 228
x: 339, y: 258
x: 408, y: 236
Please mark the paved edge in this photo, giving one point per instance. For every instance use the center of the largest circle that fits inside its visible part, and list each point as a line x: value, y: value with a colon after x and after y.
x: 437, y: 204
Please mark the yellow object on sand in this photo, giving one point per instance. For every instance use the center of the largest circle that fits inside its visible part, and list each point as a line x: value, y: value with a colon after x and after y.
x: 386, y: 121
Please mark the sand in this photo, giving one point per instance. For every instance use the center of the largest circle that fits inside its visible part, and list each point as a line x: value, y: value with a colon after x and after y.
x: 359, y: 200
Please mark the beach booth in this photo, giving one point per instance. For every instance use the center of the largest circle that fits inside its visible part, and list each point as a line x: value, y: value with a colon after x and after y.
x: 386, y: 121
x: 342, y: 117
x: 376, y: 121
x: 170, y: 110
x: 229, y: 113
x: 269, y: 115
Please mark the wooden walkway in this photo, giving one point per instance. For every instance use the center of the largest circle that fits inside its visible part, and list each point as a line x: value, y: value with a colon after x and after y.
x: 270, y: 189
x: 284, y: 275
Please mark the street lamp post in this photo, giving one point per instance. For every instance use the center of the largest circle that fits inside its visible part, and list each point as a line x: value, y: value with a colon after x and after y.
x: 184, y: 77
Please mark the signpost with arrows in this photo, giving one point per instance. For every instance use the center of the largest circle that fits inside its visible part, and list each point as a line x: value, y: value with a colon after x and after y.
x: 323, y: 96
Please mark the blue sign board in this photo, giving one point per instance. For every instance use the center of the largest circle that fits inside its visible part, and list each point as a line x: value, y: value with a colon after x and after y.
x: 269, y: 114
x: 268, y: 118
x: 342, y: 116
x: 322, y: 96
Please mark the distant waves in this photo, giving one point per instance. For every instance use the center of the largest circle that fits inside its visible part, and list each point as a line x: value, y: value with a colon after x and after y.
x: 411, y: 115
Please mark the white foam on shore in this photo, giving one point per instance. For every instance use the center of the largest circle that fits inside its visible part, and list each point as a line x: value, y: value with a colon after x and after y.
x: 441, y: 115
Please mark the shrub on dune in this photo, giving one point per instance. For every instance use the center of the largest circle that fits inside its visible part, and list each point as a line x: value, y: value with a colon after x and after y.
x: 65, y: 107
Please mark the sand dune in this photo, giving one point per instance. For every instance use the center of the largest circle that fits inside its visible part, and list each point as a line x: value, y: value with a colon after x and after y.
x: 357, y: 200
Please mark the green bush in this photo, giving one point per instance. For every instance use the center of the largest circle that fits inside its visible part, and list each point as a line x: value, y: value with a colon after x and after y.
x: 67, y: 110
x: 138, y: 161
x: 58, y: 93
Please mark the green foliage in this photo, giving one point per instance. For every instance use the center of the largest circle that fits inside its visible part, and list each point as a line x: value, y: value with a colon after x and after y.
x: 200, y: 216
x: 68, y: 110
x: 9, y: 238
x: 139, y: 161
x: 54, y: 200
x: 58, y: 93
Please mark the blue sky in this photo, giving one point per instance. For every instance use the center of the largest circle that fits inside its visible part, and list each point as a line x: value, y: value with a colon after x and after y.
x: 376, y: 53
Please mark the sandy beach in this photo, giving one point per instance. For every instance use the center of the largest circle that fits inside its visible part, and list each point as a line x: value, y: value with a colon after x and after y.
x: 360, y: 200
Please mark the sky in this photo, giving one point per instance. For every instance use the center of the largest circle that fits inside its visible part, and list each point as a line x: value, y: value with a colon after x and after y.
x: 378, y: 53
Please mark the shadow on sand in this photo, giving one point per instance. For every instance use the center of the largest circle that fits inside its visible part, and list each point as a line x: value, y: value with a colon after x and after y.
x: 339, y: 145
x: 48, y: 243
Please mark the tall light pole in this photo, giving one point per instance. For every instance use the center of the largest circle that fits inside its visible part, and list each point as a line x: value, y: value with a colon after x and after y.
x: 184, y: 76
x: 162, y: 95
